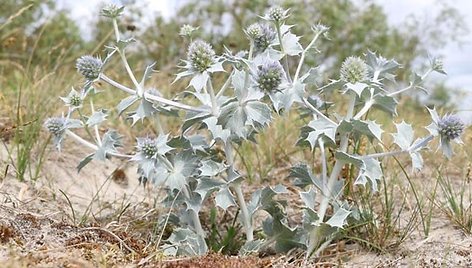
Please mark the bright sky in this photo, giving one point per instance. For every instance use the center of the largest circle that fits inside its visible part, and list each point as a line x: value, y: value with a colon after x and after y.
x: 457, y: 60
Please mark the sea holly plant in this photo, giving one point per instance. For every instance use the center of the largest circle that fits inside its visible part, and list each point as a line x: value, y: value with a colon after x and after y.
x: 259, y: 85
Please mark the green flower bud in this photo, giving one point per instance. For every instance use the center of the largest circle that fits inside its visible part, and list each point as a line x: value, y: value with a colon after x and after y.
x: 187, y: 30
x: 148, y: 147
x: 201, y: 55
x: 354, y: 70
x: 112, y: 11
x: 276, y: 13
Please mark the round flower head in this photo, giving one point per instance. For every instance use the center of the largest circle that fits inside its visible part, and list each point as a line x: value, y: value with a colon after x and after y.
x: 112, y: 11
x: 354, y: 70
x: 450, y: 127
x: 55, y: 125
x: 148, y: 147
x: 276, y: 13
x: 254, y: 30
x: 90, y: 67
x: 201, y: 55
x: 75, y: 100
x: 186, y: 30
x: 437, y: 65
x: 265, y: 37
x: 269, y: 76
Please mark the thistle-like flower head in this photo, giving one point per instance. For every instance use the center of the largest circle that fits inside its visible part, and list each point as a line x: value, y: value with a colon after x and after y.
x: 55, y: 125
x: 354, y: 70
x: 201, y: 55
x: 269, y: 76
x: 277, y: 14
x: 74, y: 99
x: 450, y: 127
x: 265, y: 36
x: 254, y: 30
x: 437, y: 65
x: 112, y: 11
x: 90, y: 67
x: 148, y: 147
x: 187, y: 30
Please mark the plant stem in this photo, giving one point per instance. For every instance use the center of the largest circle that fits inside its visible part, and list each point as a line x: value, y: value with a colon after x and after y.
x: 384, y: 154
x: 315, y: 238
x: 246, y: 76
x: 423, y: 77
x: 95, y: 127
x: 196, y: 220
x: 245, y: 217
x: 214, y: 106
x: 316, y: 111
x: 302, y: 58
x: 247, y: 221
x: 148, y: 96
x: 286, y: 67
x: 91, y: 145
x: 324, y: 167
x: 225, y: 86
x: 364, y: 109
x: 117, y: 31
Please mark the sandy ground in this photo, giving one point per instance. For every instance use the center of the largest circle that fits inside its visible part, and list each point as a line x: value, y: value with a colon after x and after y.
x: 40, y: 226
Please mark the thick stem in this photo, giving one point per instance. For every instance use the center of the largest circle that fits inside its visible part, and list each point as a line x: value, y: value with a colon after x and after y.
x: 214, y: 106
x: 95, y: 127
x: 196, y: 220
x: 245, y: 217
x: 315, y: 235
x: 247, y: 222
x: 324, y: 167
x: 150, y: 96
x: 364, y: 109
x: 117, y: 31
x: 286, y: 67
x: 246, y: 75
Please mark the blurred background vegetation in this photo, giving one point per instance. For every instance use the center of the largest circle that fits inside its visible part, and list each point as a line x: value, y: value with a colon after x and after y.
x: 39, y: 44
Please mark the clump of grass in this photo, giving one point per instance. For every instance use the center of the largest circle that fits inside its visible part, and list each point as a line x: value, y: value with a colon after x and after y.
x: 379, y: 223
x: 456, y: 205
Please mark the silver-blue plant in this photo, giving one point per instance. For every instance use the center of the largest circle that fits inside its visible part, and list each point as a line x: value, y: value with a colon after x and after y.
x: 90, y: 67
x: 269, y: 76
